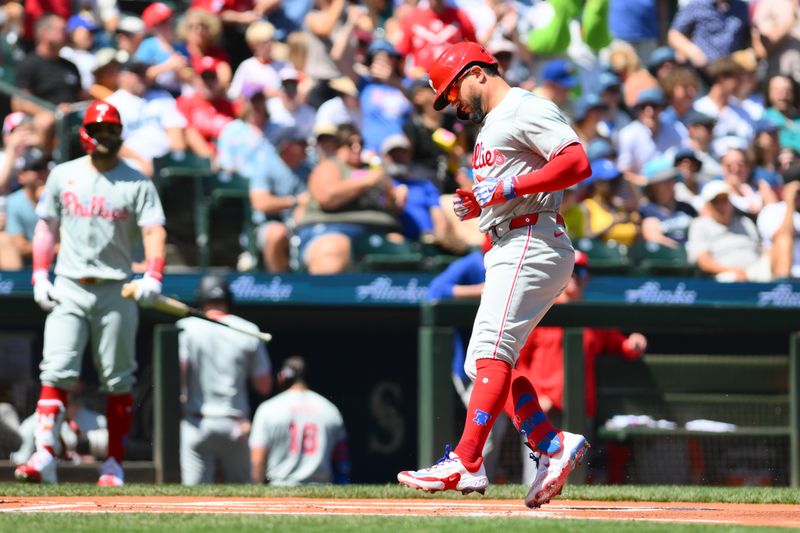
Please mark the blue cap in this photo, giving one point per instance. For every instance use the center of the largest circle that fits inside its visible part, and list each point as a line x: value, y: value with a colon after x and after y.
x: 653, y: 95
x: 659, y: 169
x: 694, y: 118
x: 660, y: 56
x: 586, y: 104
x: 382, y: 45
x: 80, y: 21
x: 766, y: 126
x: 559, y: 71
x: 608, y: 80
x: 686, y: 153
x: 600, y: 149
x: 603, y: 170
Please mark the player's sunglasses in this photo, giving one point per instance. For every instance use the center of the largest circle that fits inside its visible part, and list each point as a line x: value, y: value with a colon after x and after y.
x: 455, y: 88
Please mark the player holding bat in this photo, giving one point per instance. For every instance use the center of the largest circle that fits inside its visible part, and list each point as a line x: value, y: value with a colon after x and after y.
x: 97, y: 207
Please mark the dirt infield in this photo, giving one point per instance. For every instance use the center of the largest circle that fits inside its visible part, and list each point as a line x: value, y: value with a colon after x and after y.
x: 706, y: 513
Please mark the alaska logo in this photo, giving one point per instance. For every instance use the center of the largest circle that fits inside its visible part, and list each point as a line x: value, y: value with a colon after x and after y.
x: 95, y: 207
x: 486, y: 157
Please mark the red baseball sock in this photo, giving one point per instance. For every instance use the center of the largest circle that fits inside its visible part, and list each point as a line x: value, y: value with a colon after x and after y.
x: 119, y: 415
x: 49, y: 414
x: 524, y: 410
x: 485, y: 403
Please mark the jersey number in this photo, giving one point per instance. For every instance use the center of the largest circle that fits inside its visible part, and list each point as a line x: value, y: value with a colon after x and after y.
x: 303, y: 441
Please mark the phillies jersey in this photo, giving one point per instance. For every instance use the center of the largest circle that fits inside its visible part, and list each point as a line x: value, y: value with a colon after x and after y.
x: 519, y: 136
x: 300, y: 429
x: 101, y: 215
x: 425, y: 34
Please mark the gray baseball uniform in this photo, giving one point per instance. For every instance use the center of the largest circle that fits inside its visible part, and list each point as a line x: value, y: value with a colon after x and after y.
x: 217, y: 361
x: 101, y: 215
x: 528, y: 267
x: 300, y: 430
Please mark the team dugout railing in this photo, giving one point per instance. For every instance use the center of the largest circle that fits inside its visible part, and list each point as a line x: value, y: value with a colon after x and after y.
x: 437, y: 401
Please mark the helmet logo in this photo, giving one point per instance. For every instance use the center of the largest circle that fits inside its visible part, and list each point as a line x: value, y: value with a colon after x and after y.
x: 102, y: 109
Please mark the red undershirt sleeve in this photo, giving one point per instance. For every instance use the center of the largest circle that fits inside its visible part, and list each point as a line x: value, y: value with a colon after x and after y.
x: 568, y: 167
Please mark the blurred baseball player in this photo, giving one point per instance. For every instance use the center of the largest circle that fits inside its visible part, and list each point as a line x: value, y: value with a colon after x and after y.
x: 298, y: 437
x: 215, y: 364
x: 98, y: 207
x: 524, y: 156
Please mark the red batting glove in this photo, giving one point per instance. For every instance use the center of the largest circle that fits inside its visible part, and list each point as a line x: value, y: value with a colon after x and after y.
x: 465, y: 206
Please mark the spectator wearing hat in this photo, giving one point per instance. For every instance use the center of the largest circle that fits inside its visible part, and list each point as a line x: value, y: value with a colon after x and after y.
x: 557, y: 79
x: 19, y: 135
x: 167, y: 59
x: 616, y: 118
x: 720, y: 103
x: 723, y: 243
x: 637, y: 22
x: 207, y: 110
x: 665, y: 219
x: 611, y: 217
x: 779, y: 224
x: 690, y: 179
x: 129, y: 35
x: 152, y: 125
x: 46, y: 75
x: 433, y: 141
x: 287, y: 109
x: 324, y: 141
x: 776, y: 36
x: 589, y: 113
x: 783, y: 110
x: 421, y: 218
x: 661, y: 62
x: 681, y: 87
x: 259, y: 68
x: 747, y: 93
x: 601, y: 148
x: 201, y: 32
x: 748, y: 192
x: 704, y: 31
x: 384, y: 105
x: 242, y: 145
x: 346, y: 201
x: 278, y: 195
x: 700, y: 129
x: 646, y: 137
x: 105, y: 73
x: 428, y: 30
x: 81, y: 30
x: 21, y: 217
x: 344, y: 108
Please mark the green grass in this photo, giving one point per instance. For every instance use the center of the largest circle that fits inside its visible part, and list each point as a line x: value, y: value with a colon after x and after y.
x: 587, y: 492
x: 179, y: 523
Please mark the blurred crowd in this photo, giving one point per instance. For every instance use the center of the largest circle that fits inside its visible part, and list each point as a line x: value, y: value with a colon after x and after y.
x: 688, y: 110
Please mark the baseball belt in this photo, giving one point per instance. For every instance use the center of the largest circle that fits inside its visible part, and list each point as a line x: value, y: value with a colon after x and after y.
x: 497, y: 231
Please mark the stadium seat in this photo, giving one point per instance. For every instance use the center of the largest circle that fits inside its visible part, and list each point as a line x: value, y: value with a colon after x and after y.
x: 373, y: 252
x: 605, y: 257
x: 653, y: 259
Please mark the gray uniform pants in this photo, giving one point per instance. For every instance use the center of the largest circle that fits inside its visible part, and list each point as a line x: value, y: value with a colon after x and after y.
x: 95, y: 311
x: 210, y: 441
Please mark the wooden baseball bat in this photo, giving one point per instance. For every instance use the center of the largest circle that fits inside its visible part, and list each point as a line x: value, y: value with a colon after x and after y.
x: 174, y: 307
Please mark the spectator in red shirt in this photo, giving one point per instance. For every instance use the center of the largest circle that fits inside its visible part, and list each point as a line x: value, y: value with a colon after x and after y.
x: 201, y: 31
x: 207, y: 110
x: 428, y: 30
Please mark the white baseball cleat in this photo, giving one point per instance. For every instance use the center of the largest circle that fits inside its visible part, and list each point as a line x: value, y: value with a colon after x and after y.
x: 552, y: 472
x: 449, y: 473
x: 40, y: 468
x: 111, y: 474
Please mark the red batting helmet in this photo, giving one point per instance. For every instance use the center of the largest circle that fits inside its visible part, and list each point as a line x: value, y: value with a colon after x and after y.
x: 581, y: 259
x: 98, y: 112
x: 451, y: 63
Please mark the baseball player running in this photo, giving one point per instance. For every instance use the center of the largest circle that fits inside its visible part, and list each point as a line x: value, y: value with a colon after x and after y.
x: 216, y: 363
x: 525, y: 154
x: 98, y: 207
